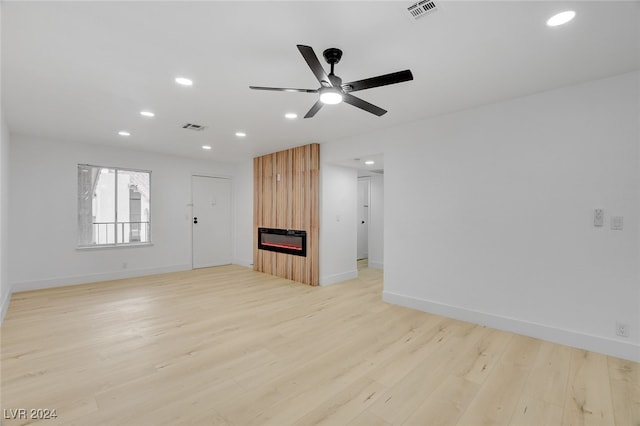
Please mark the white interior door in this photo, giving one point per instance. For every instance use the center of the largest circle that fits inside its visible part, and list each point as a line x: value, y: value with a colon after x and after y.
x: 211, y: 221
x: 363, y: 218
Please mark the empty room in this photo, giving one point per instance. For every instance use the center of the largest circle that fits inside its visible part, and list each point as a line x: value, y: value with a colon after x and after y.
x: 320, y: 212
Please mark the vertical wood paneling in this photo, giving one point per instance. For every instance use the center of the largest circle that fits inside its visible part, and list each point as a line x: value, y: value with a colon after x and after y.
x: 314, y: 194
x: 292, y: 202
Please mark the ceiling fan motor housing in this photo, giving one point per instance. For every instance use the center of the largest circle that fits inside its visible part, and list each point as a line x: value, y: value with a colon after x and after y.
x: 332, y: 55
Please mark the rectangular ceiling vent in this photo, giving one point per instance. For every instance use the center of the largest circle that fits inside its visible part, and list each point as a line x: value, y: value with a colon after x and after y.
x: 194, y: 127
x: 422, y: 8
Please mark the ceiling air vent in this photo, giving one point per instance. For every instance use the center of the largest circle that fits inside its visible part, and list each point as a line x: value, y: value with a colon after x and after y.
x: 422, y: 8
x: 195, y: 127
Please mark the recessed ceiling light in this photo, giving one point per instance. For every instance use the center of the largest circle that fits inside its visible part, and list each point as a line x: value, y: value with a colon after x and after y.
x: 561, y: 18
x: 184, y: 81
x: 147, y: 113
x: 291, y: 115
x: 369, y: 162
x: 207, y: 147
x: 124, y: 133
x: 241, y: 134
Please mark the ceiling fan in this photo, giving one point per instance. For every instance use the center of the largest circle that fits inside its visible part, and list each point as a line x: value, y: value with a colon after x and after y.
x: 332, y: 90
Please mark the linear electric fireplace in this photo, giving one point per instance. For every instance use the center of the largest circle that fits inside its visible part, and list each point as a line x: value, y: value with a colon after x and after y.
x: 283, y: 241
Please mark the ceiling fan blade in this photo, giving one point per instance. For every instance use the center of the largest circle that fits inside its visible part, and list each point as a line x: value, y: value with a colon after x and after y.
x: 381, y: 80
x: 357, y: 102
x: 312, y: 60
x: 315, y: 108
x: 283, y: 89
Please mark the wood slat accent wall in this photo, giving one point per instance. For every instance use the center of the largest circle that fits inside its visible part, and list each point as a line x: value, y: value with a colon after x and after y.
x: 291, y: 203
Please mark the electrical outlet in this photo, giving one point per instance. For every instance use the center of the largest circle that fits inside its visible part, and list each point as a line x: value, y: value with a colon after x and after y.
x: 598, y: 217
x: 622, y: 329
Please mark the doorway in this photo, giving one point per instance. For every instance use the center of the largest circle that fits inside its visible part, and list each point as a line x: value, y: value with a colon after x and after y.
x: 211, y: 221
x: 364, y: 194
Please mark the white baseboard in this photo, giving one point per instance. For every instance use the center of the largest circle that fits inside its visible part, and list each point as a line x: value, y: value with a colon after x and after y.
x: 91, y: 278
x: 243, y: 262
x: 375, y: 265
x: 338, y: 278
x: 5, y: 305
x: 575, y: 339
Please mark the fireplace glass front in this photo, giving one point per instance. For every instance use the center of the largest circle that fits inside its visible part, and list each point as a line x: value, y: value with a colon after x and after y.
x: 283, y: 241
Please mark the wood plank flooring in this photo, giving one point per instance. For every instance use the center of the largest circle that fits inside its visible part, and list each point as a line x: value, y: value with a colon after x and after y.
x: 230, y: 346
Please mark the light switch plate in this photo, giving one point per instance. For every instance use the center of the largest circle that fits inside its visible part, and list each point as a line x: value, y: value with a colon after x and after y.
x: 617, y: 223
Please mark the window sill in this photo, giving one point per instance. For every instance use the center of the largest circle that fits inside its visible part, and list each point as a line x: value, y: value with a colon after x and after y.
x: 113, y: 246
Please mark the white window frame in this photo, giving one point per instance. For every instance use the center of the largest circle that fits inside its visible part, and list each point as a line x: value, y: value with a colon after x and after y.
x: 116, y: 222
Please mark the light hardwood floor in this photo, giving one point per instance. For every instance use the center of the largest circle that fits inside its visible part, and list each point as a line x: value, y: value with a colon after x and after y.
x: 229, y: 346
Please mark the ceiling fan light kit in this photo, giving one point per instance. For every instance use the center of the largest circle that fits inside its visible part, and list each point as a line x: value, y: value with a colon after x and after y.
x: 330, y: 95
x: 332, y: 91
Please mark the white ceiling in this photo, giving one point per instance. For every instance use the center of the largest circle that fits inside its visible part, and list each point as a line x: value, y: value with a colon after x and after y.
x: 82, y: 71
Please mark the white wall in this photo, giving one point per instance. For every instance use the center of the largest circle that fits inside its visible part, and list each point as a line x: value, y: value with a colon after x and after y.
x: 5, y: 288
x: 243, y: 214
x: 43, y: 215
x: 338, y: 216
x: 376, y: 222
x: 489, y: 213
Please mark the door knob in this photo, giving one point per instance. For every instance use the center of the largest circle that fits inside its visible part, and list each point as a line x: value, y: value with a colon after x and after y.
x: 195, y: 220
